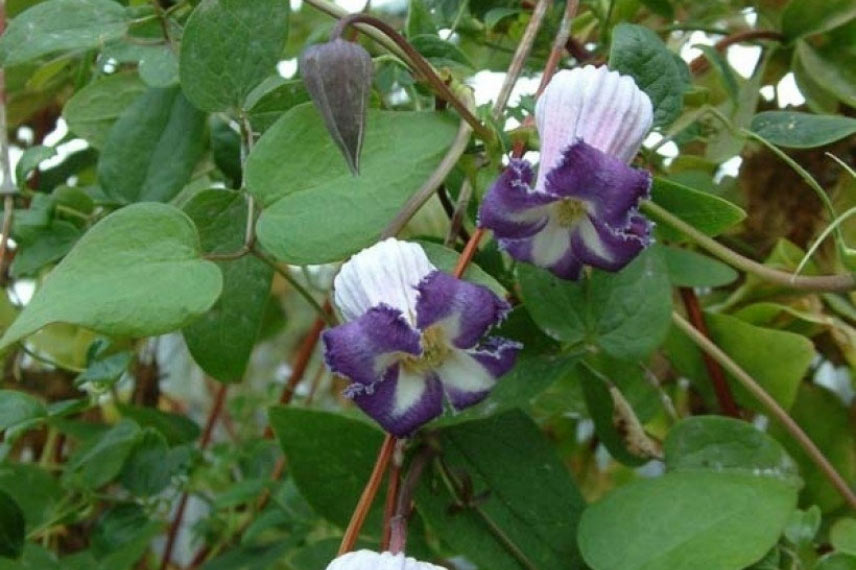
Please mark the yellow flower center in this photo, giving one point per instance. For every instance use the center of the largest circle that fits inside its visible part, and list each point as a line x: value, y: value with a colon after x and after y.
x: 434, y: 352
x: 569, y: 211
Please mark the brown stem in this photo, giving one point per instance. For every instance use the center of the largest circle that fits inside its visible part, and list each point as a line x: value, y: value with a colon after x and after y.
x: 468, y: 252
x: 559, y: 44
x: 367, y: 498
x: 727, y: 405
x: 520, y: 56
x: 213, y: 415
x: 393, y: 483
x: 398, y: 523
x: 700, y: 64
x: 420, y: 64
x: 449, y: 208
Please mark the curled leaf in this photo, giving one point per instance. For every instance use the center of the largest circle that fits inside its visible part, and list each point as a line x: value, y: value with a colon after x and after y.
x: 338, y: 76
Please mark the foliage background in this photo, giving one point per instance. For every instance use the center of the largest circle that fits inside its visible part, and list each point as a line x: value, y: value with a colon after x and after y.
x: 157, y: 372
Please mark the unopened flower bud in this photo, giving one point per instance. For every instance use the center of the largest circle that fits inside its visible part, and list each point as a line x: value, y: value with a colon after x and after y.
x: 368, y: 560
x: 338, y: 76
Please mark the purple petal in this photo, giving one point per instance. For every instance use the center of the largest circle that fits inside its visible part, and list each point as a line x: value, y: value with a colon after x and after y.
x: 609, y: 188
x: 402, y: 401
x: 550, y: 249
x: 362, y: 350
x: 469, y: 376
x: 510, y: 208
x: 464, y: 310
x: 598, y: 245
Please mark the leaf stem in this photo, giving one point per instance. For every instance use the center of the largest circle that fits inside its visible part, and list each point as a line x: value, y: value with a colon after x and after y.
x: 393, y: 485
x: 727, y: 405
x: 418, y: 199
x: 454, y: 486
x: 326, y: 315
x: 771, y: 405
x: 367, y: 498
x: 840, y: 282
x: 421, y: 65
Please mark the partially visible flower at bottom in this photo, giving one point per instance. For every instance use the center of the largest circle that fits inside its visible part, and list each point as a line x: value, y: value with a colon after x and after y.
x: 368, y: 560
x: 413, y: 337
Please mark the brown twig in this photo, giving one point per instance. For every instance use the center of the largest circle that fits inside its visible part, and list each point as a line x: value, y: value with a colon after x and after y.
x: 559, y: 44
x: 772, y: 407
x: 393, y: 484
x: 204, y: 440
x: 367, y: 498
x: 727, y: 405
x: 700, y: 64
x: 520, y: 56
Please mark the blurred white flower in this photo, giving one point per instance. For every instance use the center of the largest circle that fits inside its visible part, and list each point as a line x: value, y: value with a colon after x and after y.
x: 368, y: 560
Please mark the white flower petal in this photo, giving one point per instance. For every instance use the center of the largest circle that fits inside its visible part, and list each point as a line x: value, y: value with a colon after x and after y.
x: 605, y: 109
x: 387, y: 272
x: 368, y: 560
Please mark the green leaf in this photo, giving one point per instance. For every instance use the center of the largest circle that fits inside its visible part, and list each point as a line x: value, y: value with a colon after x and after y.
x: 122, y: 536
x: 705, y: 212
x: 271, y: 99
x: 62, y: 25
x: 686, y: 519
x: 836, y: 561
x: 104, y: 371
x: 807, y: 17
x: 517, y: 482
x: 35, y: 558
x: 627, y: 314
x: 152, y: 464
x: 159, y: 67
x: 778, y: 360
x: 19, y: 480
x: 330, y: 458
x: 152, y: 149
x: 229, y: 47
x: 100, y: 459
x: 18, y: 408
x: 222, y: 340
x: 11, y: 527
x: 137, y: 272
x: 718, y: 61
x: 688, y: 268
x: 42, y: 246
x: 802, y: 527
x: 661, y: 7
x: 316, y: 210
x: 30, y: 160
x: 91, y: 112
x: 445, y: 259
x: 638, y: 52
x: 176, y: 428
x: 830, y: 67
x: 601, y: 405
x: 842, y: 535
x: 725, y: 444
x: 825, y: 420
x: 793, y: 129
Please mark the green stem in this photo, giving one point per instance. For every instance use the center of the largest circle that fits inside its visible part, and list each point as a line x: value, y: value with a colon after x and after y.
x: 842, y: 282
x: 453, y: 485
x: 771, y: 405
x: 328, y: 318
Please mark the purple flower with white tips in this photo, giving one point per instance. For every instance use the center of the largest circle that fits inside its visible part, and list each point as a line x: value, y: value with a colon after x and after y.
x: 413, y: 337
x: 583, y: 208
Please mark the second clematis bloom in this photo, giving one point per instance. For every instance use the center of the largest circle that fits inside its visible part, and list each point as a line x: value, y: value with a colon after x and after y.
x: 583, y: 207
x: 413, y: 337
x: 369, y: 560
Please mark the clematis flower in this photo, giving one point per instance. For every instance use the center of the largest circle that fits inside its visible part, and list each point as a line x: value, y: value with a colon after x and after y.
x: 583, y: 208
x: 413, y: 337
x: 368, y: 560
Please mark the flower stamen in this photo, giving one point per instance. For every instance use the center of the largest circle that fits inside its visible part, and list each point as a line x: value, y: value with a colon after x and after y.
x: 434, y: 352
x: 569, y: 211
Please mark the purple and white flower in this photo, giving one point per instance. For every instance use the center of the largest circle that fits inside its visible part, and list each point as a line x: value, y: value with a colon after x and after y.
x: 583, y: 208
x: 369, y: 560
x: 413, y: 337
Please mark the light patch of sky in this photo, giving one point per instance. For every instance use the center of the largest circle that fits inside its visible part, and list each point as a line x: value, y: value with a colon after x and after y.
x: 788, y: 92
x: 287, y: 68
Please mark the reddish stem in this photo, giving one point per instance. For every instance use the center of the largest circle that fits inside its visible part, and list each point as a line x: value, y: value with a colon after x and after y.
x: 393, y: 485
x: 367, y: 498
x: 219, y: 400
x: 717, y: 376
x: 701, y: 63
